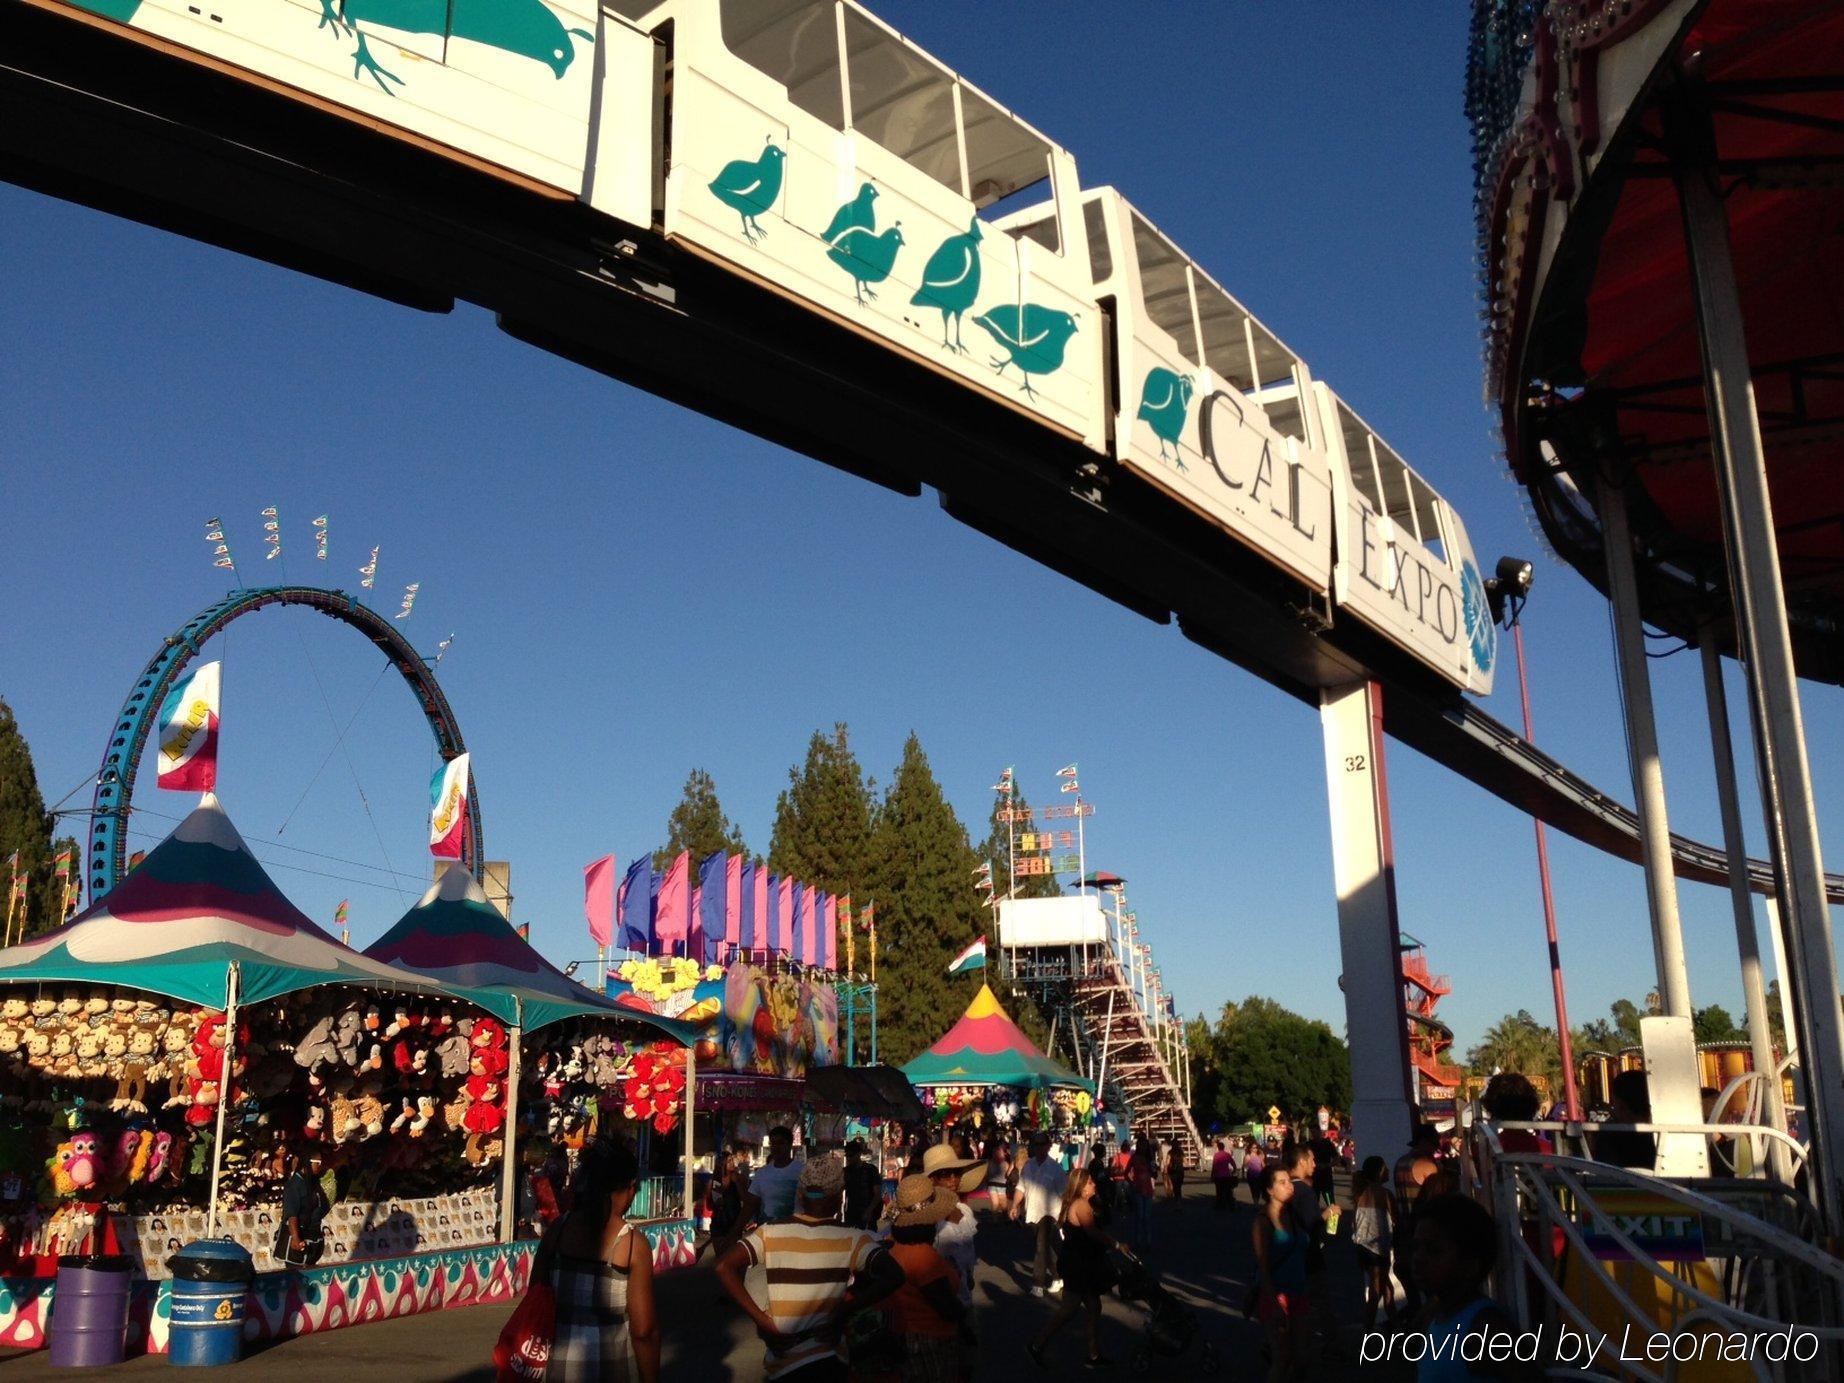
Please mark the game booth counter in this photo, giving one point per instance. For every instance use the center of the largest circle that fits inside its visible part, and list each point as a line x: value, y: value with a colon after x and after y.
x: 986, y: 1074
x: 578, y: 1060
x: 158, y: 1052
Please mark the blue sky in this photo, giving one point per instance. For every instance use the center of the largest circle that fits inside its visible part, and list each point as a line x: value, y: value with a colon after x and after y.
x: 636, y: 591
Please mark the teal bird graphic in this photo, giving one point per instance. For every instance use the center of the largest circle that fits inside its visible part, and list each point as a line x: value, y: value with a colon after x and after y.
x: 1165, y: 403
x: 749, y: 187
x: 1032, y: 336
x: 853, y: 244
x: 951, y: 281
x: 525, y: 28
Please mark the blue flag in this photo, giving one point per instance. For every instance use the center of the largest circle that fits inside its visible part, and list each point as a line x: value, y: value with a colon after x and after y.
x: 797, y: 935
x: 634, y: 907
x: 771, y: 932
x: 711, y: 906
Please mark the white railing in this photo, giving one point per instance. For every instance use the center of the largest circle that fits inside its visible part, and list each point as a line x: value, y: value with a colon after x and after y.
x: 1769, y: 1280
x: 659, y: 1198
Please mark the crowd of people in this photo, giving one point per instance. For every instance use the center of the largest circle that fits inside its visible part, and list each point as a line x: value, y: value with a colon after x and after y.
x: 870, y: 1254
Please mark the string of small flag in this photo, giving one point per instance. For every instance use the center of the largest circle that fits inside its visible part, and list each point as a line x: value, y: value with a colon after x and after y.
x: 223, y: 558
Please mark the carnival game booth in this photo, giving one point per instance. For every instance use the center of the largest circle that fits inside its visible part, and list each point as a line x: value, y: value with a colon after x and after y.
x: 576, y: 1062
x: 985, y: 1073
x: 157, y: 1054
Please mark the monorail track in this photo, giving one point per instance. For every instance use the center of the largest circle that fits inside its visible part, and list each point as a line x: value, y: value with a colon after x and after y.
x: 115, y: 121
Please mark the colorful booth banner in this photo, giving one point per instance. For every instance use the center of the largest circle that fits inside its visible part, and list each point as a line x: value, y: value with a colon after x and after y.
x: 282, y: 1305
x: 448, y: 809
x: 189, y: 732
x: 777, y: 1025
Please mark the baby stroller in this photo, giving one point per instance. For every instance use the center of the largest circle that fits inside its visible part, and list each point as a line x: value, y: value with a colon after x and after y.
x: 1171, y: 1330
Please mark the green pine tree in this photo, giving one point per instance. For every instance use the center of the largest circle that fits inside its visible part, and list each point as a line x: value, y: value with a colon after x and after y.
x: 823, y: 819
x: 927, y: 908
x: 698, y: 824
x: 26, y: 826
x: 997, y: 851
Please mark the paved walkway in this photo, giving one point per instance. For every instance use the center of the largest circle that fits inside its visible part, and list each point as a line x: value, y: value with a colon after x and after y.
x: 1203, y: 1256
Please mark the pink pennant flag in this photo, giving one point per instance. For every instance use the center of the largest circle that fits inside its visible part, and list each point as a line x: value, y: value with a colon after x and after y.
x: 761, y: 940
x: 829, y: 935
x: 733, y: 903
x: 672, y: 919
x: 782, y: 938
x: 694, y: 934
x: 599, y: 900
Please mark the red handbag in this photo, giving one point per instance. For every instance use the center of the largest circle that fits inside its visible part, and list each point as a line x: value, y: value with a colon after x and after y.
x: 524, y: 1348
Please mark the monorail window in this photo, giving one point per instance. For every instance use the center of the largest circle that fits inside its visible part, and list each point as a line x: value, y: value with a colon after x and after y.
x: 1360, y: 454
x: 796, y: 42
x: 1397, y: 480
x: 1100, y: 257
x: 1427, y: 515
x: 1165, y: 287
x: 902, y: 100
x: 1003, y: 156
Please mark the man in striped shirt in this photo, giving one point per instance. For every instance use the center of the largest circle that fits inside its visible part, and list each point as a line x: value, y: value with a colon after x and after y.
x: 817, y: 1270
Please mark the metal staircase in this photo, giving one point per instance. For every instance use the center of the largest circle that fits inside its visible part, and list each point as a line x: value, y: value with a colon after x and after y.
x: 1142, y: 1059
x: 1107, y: 1005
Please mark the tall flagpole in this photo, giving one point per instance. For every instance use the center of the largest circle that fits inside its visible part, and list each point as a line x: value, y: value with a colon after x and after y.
x: 1081, y: 849
x: 224, y: 1089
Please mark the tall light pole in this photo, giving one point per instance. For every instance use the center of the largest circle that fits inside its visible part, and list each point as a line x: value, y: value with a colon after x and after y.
x: 1508, y: 591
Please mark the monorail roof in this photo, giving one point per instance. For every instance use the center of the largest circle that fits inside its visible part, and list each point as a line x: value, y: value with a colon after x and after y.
x: 1592, y: 341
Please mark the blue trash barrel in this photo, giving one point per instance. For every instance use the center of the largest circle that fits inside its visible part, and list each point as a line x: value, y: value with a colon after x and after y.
x: 89, y: 1310
x: 211, y: 1285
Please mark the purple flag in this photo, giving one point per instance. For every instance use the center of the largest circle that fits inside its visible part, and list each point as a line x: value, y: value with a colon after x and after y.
x: 755, y: 906
x: 634, y: 907
x: 713, y: 893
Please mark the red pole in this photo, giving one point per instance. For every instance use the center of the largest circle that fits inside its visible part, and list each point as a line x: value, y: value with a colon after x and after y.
x: 1569, y: 1095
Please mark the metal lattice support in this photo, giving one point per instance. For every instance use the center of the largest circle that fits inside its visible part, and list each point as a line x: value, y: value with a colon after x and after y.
x: 109, y: 810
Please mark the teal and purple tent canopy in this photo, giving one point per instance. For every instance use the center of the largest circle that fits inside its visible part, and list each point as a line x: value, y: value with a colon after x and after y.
x: 987, y: 1048
x: 198, y: 904
x: 456, y: 937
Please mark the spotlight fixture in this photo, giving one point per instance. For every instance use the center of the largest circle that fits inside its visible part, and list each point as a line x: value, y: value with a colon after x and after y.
x: 1509, y: 588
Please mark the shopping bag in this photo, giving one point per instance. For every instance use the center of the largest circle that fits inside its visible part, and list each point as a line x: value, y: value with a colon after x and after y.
x: 524, y: 1348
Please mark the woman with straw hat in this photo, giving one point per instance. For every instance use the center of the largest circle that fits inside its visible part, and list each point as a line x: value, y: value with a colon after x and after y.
x: 926, y: 1314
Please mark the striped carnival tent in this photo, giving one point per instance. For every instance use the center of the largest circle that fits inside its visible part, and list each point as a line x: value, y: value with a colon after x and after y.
x: 457, y: 938
x: 987, y: 1048
x: 197, y: 910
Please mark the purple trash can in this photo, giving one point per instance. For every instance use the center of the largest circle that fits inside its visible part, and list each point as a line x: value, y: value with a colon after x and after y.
x: 89, y: 1310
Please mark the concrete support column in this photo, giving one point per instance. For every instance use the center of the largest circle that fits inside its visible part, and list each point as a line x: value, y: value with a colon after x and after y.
x: 1363, y: 868
x: 1642, y: 754
x: 1760, y: 605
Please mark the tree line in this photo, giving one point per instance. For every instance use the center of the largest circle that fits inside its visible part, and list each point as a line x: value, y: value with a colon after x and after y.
x: 26, y: 826
x: 1258, y: 1055
x: 1523, y: 1043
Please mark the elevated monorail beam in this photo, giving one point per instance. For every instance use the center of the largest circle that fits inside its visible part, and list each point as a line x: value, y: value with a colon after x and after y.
x: 123, y: 124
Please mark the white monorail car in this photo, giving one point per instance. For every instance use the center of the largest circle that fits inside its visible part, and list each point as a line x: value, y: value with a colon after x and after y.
x: 807, y: 146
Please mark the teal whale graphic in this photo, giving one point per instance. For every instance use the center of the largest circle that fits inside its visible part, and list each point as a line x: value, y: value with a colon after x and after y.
x: 524, y: 28
x: 1165, y: 403
x: 119, y: 10
x: 1033, y: 338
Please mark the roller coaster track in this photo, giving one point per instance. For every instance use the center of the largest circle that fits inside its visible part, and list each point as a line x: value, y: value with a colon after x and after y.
x: 114, y: 798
